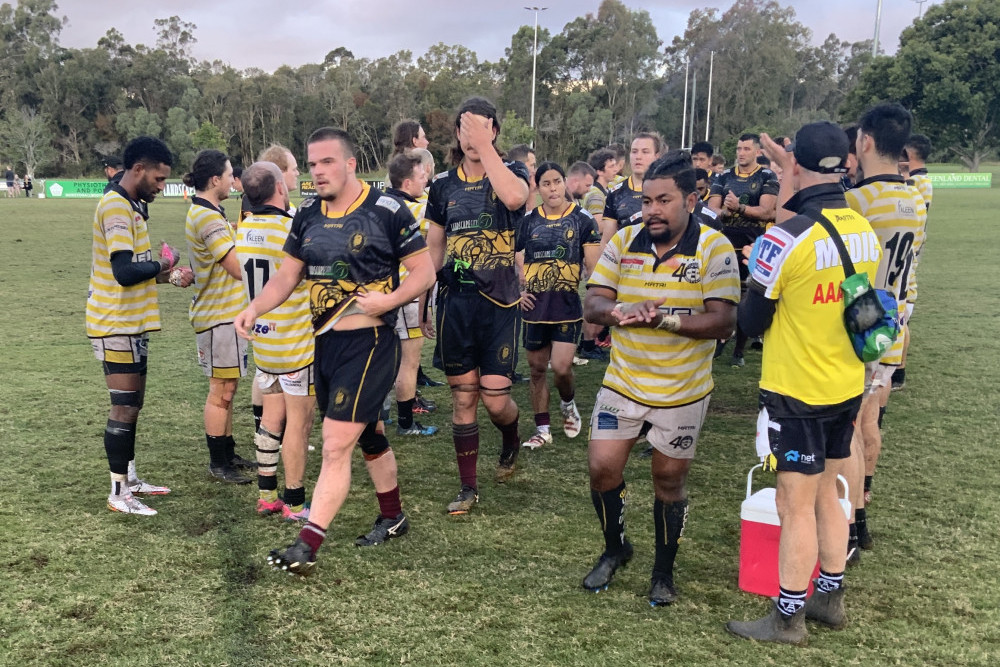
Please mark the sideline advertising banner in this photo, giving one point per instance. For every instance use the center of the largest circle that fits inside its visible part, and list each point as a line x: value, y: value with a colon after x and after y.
x: 307, y: 189
x: 977, y: 180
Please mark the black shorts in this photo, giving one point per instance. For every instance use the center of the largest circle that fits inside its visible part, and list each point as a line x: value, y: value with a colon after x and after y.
x: 539, y: 335
x: 475, y: 333
x: 354, y: 370
x: 802, y: 437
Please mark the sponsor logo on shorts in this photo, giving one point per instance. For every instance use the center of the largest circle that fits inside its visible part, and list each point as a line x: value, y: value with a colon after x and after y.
x: 504, y: 353
x: 607, y: 421
x: 793, y: 456
x: 340, y: 397
x: 682, y: 442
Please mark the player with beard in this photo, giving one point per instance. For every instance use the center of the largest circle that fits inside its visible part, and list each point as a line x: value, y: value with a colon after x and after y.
x: 473, y: 210
x: 580, y: 179
x: 219, y: 297
x: 555, y: 241
x: 669, y: 288
x: 348, y: 243
x: 122, y: 309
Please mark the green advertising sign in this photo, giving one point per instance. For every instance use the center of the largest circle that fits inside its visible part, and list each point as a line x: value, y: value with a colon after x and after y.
x: 75, y: 189
x: 977, y: 180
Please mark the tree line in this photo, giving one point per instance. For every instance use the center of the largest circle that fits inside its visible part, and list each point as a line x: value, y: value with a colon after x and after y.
x: 605, y: 76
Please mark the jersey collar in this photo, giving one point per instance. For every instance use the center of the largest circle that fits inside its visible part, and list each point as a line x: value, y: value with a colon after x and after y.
x: 688, y: 245
x: 886, y: 178
x: 115, y: 186
x: 919, y: 172
x: 396, y: 192
x: 267, y: 209
x: 746, y: 174
x: 198, y: 201
x: 830, y: 193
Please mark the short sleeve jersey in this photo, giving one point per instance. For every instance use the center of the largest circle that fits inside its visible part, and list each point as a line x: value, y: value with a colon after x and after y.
x: 897, y: 214
x: 218, y: 297
x: 924, y: 185
x: 748, y: 188
x: 595, y: 199
x: 651, y: 366
x: 351, y: 252
x: 807, y: 352
x: 553, y: 257
x: 479, y: 232
x: 283, y: 338
x: 113, y: 309
x: 418, y: 207
x: 624, y: 203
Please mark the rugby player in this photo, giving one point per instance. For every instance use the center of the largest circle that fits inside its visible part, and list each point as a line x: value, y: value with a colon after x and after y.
x: 407, y: 135
x: 554, y: 241
x: 718, y: 165
x: 701, y: 155
x: 282, y: 348
x: 623, y: 206
x: 408, y: 178
x: 347, y: 243
x: 122, y: 309
x: 811, y: 379
x: 526, y: 154
x: 579, y: 180
x: 744, y: 197
x: 219, y: 297
x: 669, y: 287
x: 897, y: 214
x: 605, y: 165
x: 473, y: 210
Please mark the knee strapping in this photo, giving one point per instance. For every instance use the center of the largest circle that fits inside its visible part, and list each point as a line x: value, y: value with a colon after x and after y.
x: 128, y: 399
x: 487, y: 391
x: 268, y: 451
x: 465, y: 388
x: 373, y: 444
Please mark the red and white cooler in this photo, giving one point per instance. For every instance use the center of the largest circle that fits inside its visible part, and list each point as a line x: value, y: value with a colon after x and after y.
x: 760, y: 530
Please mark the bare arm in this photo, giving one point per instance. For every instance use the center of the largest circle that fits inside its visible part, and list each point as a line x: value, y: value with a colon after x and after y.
x: 435, y: 246
x: 277, y: 289
x: 715, y: 203
x: 591, y: 254
x: 786, y: 188
x: 598, y: 304
x: 764, y: 211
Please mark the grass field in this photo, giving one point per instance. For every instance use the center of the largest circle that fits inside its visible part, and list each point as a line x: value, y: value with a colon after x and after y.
x: 82, y: 586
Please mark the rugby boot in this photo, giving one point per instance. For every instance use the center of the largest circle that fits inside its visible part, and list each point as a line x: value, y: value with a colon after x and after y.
x: 297, y: 558
x: 227, y: 473
x: 384, y: 530
x: 774, y: 628
x: 506, y: 466
x: 464, y: 501
x: 142, y: 487
x: 827, y: 608
x: 602, y: 574
x: 661, y: 591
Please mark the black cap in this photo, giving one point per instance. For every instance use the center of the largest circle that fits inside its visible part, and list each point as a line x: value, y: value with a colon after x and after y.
x: 113, y: 161
x: 821, y: 147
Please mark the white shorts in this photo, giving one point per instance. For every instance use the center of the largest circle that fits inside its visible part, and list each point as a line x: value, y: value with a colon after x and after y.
x: 877, y: 375
x: 408, y: 321
x: 674, y: 431
x: 222, y: 353
x: 296, y: 383
x: 124, y: 349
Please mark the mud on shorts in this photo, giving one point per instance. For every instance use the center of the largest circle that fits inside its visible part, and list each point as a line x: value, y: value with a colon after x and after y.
x: 222, y: 353
x: 673, y: 431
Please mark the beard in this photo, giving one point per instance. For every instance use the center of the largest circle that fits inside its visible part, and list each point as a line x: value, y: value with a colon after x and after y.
x: 659, y: 237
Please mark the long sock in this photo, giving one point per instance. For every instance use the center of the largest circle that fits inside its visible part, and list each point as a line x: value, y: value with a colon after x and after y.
x: 829, y: 582
x: 258, y: 413
x: 868, y: 482
x: 295, y: 498
x: 741, y: 342
x: 217, y: 449
x: 404, y: 410
x: 610, y: 506
x: 466, y: 438
x: 119, y: 443
x: 312, y: 535
x: 852, y: 538
x: 587, y: 345
x: 881, y: 415
x: 861, y: 522
x: 510, y: 438
x: 267, y: 487
x: 542, y: 422
x: 230, y: 448
x: 389, y: 504
x: 132, y: 474
x: 669, y: 519
x: 790, y: 602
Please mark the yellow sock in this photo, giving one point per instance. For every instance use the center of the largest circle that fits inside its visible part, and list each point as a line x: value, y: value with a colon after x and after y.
x: 269, y: 496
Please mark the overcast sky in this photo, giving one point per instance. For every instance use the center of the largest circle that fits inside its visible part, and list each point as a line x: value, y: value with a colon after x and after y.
x: 266, y: 35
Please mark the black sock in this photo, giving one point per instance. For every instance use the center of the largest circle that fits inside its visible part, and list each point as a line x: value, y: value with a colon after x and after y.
x: 217, y: 449
x: 610, y: 506
x: 852, y: 538
x: 267, y: 483
x: 790, y: 602
x: 669, y: 519
x: 295, y: 497
x: 828, y: 582
x: 404, y: 411
x: 230, y: 448
x: 881, y: 416
x: 587, y: 345
x: 258, y: 412
x: 868, y: 482
x: 510, y: 438
x: 861, y: 520
x: 119, y: 445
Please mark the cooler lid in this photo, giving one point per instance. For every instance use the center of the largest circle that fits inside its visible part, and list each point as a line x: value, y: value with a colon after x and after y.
x: 761, y: 508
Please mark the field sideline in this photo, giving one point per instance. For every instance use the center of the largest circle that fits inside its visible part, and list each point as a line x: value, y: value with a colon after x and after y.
x: 82, y: 586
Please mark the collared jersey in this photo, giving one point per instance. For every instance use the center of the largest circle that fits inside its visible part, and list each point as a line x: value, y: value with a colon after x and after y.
x: 352, y: 252
x: 417, y: 206
x: 479, y: 232
x: 624, y: 203
x: 897, y: 214
x: 652, y: 366
x: 283, y: 338
x: 918, y: 242
x: 113, y: 309
x: 807, y: 352
x: 595, y: 199
x: 924, y: 185
x: 748, y: 187
x: 218, y: 297
x: 553, y: 257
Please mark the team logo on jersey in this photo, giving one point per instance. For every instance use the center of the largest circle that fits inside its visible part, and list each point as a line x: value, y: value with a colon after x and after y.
x: 357, y: 242
x: 485, y: 220
x: 569, y: 234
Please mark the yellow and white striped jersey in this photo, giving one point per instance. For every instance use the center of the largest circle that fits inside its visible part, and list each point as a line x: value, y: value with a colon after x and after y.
x: 897, y: 213
x: 219, y: 297
x: 417, y: 208
x: 112, y: 309
x: 283, y: 338
x: 924, y: 185
x: 651, y: 366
